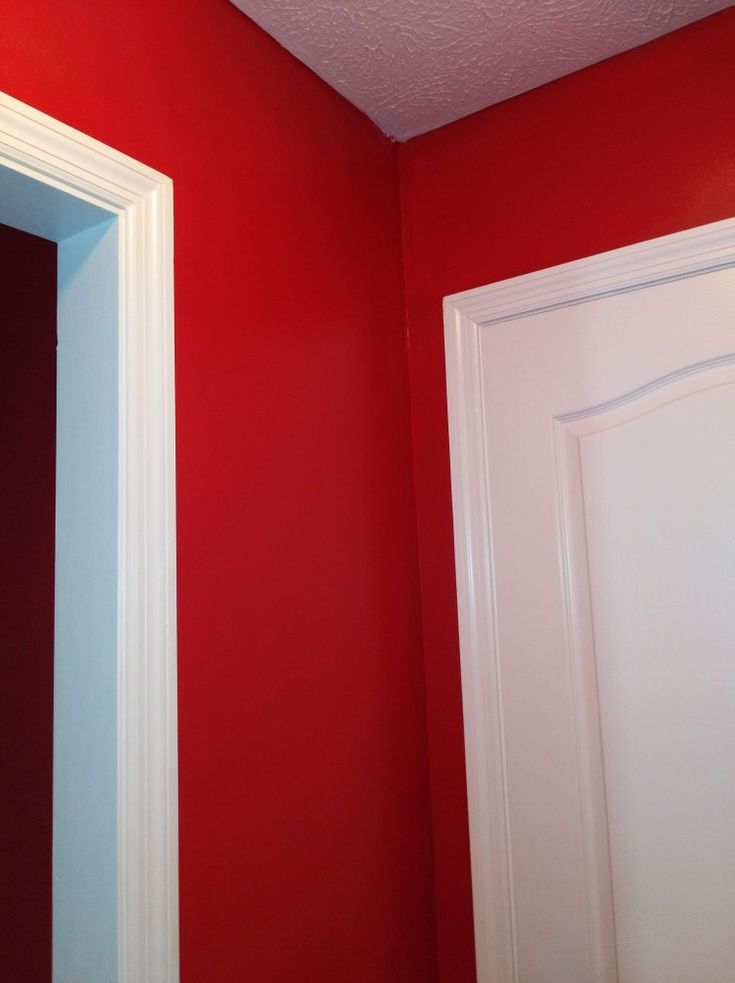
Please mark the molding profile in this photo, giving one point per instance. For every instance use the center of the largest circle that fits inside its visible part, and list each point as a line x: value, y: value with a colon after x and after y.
x: 141, y: 201
x: 688, y: 253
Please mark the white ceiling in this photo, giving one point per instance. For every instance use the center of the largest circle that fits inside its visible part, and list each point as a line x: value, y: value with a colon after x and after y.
x: 414, y: 65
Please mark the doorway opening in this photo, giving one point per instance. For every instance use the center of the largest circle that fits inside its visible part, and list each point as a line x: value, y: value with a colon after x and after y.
x: 114, y: 854
x: 27, y: 508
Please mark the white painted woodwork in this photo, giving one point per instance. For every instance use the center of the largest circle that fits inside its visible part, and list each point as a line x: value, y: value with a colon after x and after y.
x: 592, y: 432
x: 84, y: 832
x: 115, y: 863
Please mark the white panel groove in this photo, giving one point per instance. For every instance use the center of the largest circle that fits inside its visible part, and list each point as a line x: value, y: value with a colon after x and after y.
x: 588, y: 741
x: 665, y: 382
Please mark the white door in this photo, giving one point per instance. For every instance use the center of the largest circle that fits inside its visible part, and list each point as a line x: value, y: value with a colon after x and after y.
x: 592, y: 420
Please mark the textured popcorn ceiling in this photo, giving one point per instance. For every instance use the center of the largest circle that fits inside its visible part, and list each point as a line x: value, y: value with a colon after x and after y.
x: 414, y: 65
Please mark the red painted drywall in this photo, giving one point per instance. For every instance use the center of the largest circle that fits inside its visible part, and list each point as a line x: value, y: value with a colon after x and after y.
x: 304, y: 804
x: 305, y: 832
x: 636, y: 147
x: 27, y: 495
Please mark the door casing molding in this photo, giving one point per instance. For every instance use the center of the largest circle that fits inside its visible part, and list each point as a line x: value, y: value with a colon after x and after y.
x: 84, y: 181
x: 683, y: 254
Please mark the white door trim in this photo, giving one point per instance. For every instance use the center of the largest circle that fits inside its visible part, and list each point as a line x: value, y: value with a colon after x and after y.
x: 141, y: 201
x: 687, y: 253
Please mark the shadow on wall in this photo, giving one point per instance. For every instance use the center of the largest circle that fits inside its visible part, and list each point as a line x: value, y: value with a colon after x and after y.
x: 27, y: 514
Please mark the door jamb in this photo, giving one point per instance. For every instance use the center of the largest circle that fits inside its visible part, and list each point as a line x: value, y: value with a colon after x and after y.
x: 68, y: 167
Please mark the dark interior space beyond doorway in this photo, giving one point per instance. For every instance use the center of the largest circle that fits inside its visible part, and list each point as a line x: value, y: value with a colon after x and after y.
x: 27, y: 507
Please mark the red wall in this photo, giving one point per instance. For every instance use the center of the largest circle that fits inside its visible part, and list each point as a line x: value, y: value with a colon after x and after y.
x: 27, y: 515
x: 304, y: 808
x: 636, y: 147
x: 305, y: 815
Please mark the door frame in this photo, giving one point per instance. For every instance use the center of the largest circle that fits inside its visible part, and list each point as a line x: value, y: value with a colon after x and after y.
x: 77, y: 188
x: 683, y: 254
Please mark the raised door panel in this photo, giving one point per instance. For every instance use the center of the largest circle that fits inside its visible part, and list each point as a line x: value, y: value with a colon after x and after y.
x: 658, y: 493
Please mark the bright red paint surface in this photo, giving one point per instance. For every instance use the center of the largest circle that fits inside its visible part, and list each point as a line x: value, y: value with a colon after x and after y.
x: 636, y: 147
x: 305, y: 821
x: 27, y: 515
x: 304, y: 807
